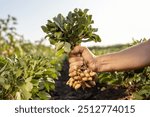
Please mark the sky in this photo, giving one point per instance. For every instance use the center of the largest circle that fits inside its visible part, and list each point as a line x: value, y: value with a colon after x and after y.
x: 118, y: 21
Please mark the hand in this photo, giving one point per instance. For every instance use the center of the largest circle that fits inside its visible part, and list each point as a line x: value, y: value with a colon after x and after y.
x: 78, y: 56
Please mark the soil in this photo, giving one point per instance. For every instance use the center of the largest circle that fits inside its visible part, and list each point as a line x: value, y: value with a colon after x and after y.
x: 64, y: 92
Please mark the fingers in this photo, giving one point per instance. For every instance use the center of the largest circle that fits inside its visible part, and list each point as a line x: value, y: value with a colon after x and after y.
x: 75, y: 59
x: 75, y: 62
x: 77, y: 50
x: 72, y: 71
x: 73, y: 66
x: 82, y: 51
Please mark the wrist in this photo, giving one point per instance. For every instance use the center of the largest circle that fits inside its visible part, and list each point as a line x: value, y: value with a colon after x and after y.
x: 97, y: 64
x: 103, y: 63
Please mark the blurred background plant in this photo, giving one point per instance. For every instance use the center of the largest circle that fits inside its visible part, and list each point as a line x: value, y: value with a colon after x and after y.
x: 27, y: 71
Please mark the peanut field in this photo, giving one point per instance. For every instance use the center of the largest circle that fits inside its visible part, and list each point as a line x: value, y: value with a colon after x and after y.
x: 33, y: 71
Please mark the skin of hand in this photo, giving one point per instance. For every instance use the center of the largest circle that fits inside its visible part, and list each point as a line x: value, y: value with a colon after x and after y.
x: 78, y: 54
x: 131, y: 58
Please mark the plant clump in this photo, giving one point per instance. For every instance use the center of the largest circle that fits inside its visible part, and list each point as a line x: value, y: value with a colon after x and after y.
x: 66, y: 33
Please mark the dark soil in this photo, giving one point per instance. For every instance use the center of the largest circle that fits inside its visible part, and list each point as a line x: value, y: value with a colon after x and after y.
x: 64, y: 92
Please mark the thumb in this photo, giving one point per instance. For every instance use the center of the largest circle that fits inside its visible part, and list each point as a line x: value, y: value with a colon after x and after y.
x: 87, y: 55
x: 77, y: 50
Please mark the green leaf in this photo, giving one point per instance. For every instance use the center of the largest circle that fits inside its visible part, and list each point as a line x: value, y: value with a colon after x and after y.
x: 28, y: 79
x: 3, y: 68
x: 26, y: 90
x: 39, y: 73
x: 112, y: 81
x: 6, y: 86
x: 49, y: 22
x: 60, y: 52
x: 52, y: 87
x: 58, y: 34
x: 35, y: 82
x: 59, y: 45
x: 47, y: 86
x: 137, y: 96
x: 27, y: 87
x: 54, y: 76
x: 18, y: 73
x: 86, y: 10
x: 2, y: 61
x: 104, y: 80
x: 18, y: 96
x: 89, y: 18
x: 52, y: 41
x: 58, y: 22
x: 50, y: 80
x: 67, y: 47
x: 26, y: 95
x: 95, y: 29
x: 62, y: 19
x: 96, y: 38
x: 49, y: 71
x: 2, y: 81
x: 70, y: 18
x: 44, y: 29
x: 43, y: 95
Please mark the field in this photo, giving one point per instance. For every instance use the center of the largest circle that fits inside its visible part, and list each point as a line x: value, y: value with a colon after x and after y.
x: 35, y: 71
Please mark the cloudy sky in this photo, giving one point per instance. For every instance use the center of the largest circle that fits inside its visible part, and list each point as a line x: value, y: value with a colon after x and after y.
x: 118, y: 21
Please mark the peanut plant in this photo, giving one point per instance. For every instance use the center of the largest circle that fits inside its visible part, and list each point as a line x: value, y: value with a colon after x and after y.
x: 67, y: 32
x: 27, y: 71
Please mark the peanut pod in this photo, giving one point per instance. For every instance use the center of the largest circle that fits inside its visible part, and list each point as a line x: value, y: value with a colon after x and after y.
x: 82, y: 77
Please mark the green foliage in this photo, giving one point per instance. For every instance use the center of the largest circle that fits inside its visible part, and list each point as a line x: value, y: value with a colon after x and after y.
x: 26, y: 77
x: 27, y: 71
x: 67, y: 32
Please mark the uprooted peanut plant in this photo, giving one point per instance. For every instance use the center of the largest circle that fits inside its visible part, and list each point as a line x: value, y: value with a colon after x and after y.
x: 67, y: 32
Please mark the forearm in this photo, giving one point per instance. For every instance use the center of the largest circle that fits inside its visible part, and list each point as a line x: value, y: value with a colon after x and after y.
x: 132, y: 58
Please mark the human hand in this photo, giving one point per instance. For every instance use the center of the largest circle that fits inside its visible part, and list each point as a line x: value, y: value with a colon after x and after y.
x: 82, y: 68
x: 79, y: 56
